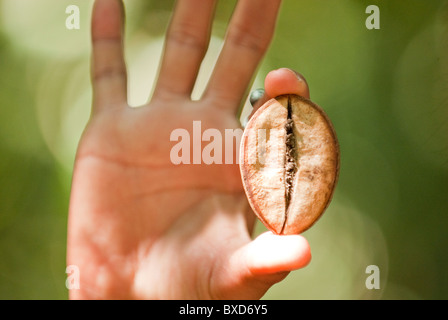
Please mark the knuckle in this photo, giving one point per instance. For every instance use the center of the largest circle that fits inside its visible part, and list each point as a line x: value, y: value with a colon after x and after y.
x: 249, y: 38
x: 186, y: 34
x: 109, y: 72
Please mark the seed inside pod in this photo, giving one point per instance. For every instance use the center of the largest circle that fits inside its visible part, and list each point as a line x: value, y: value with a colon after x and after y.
x: 289, y: 161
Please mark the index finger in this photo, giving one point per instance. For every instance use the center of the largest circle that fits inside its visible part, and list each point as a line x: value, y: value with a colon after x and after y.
x: 282, y: 81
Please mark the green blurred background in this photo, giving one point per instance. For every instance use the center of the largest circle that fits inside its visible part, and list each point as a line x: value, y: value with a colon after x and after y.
x: 386, y: 91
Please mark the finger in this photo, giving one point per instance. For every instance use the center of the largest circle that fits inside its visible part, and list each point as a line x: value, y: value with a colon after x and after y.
x: 268, y: 259
x: 270, y: 253
x: 108, y: 66
x: 285, y: 81
x: 248, y: 37
x: 279, y: 82
x: 186, y: 44
x: 255, y: 96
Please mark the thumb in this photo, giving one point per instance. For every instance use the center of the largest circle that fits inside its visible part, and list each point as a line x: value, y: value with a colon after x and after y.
x: 255, y: 267
x: 270, y: 253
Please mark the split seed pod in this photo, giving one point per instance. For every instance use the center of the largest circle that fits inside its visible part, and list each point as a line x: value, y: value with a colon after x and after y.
x: 289, y: 162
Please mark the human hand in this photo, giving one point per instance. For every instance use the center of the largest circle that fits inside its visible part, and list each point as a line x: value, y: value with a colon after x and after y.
x: 141, y: 227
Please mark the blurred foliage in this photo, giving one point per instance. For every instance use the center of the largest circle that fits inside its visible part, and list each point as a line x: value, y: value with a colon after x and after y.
x: 385, y: 90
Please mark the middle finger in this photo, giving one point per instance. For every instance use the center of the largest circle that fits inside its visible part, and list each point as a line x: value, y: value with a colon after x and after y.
x: 248, y: 37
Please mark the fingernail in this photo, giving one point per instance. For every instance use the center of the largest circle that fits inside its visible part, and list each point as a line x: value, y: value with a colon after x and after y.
x: 255, y: 96
x: 299, y: 76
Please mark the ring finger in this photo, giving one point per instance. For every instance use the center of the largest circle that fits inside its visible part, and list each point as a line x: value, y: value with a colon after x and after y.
x: 185, y: 46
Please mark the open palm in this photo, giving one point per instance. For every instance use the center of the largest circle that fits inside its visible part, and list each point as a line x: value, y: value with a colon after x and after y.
x: 143, y: 227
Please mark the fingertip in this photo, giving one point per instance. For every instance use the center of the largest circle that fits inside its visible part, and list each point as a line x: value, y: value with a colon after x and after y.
x: 261, y: 263
x: 107, y: 19
x: 270, y: 253
x: 282, y: 81
x: 286, y: 81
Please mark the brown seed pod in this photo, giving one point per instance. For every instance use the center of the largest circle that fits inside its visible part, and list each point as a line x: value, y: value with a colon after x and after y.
x: 289, y: 162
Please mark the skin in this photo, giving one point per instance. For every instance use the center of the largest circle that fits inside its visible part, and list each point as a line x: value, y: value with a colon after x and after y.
x: 141, y: 227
